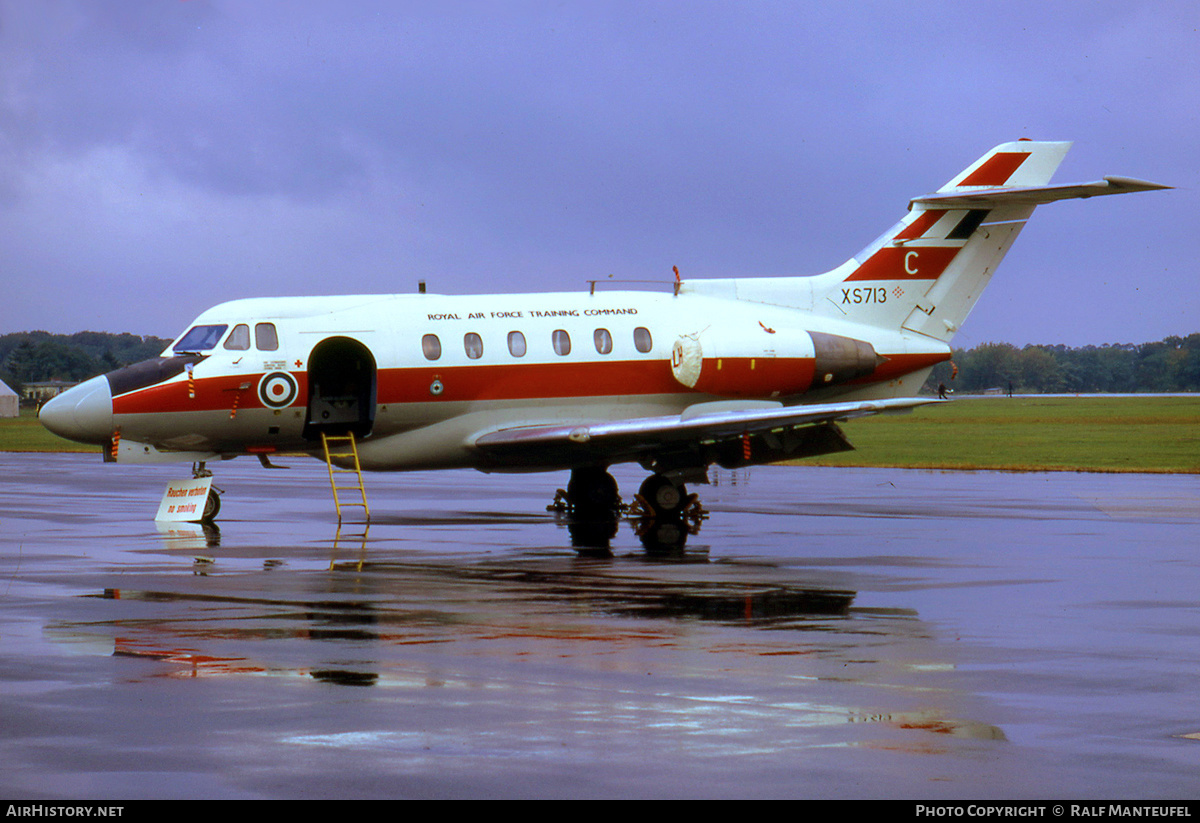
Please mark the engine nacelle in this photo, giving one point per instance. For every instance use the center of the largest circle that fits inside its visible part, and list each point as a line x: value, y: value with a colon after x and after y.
x: 768, y: 363
x: 841, y: 359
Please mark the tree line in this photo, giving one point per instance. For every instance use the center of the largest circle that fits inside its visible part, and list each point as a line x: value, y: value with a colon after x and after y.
x: 38, y: 356
x: 1170, y: 365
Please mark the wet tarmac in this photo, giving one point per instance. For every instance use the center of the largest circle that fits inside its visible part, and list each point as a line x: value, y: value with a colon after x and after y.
x: 826, y: 633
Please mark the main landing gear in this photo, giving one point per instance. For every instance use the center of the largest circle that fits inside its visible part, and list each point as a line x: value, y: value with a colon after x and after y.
x: 592, y: 491
x: 662, y: 498
x: 592, y: 497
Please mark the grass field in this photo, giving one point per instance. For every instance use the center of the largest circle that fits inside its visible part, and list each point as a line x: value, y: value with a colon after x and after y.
x: 26, y: 434
x: 1109, y: 434
x: 1118, y: 434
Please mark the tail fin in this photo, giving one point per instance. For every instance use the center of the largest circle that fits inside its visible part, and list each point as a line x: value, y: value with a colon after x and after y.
x: 926, y: 273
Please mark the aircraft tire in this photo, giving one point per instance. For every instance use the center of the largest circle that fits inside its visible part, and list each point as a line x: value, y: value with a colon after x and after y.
x: 666, y: 498
x: 212, y: 507
x: 593, y: 491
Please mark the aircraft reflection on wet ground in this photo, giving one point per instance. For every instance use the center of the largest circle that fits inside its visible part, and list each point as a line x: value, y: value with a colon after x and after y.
x: 414, y: 603
x: 822, y: 634
x: 715, y: 597
x: 576, y: 584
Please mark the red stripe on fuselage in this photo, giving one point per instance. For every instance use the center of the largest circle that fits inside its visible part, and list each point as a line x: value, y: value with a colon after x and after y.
x: 212, y: 393
x: 740, y: 377
x: 503, y: 381
x: 756, y: 376
x: 527, y: 381
x: 898, y: 365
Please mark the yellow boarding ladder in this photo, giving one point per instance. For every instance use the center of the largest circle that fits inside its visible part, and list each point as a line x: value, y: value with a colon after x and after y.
x: 326, y: 440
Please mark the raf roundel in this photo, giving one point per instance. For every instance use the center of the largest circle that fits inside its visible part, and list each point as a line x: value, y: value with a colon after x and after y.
x: 277, y: 390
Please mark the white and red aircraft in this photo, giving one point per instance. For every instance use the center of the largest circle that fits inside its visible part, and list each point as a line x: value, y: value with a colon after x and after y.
x: 730, y: 371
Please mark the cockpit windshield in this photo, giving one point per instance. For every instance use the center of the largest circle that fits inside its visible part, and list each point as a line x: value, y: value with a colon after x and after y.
x: 200, y: 338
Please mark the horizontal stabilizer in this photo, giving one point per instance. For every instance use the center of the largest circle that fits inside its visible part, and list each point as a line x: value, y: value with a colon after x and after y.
x: 1033, y: 195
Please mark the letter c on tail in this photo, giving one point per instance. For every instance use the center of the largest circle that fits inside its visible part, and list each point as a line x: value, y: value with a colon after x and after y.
x: 910, y: 262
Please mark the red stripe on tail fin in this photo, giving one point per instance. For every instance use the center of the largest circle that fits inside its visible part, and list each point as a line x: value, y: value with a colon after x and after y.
x: 996, y: 171
x: 892, y: 263
x: 921, y: 225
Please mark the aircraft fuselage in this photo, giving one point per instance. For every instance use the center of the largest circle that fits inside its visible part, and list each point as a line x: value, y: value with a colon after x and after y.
x: 426, y: 372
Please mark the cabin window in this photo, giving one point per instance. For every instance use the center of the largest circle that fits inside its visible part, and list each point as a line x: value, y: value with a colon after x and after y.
x: 431, y: 346
x: 603, y: 341
x: 561, y: 341
x: 516, y: 344
x: 473, y: 344
x: 239, y: 338
x: 642, y: 340
x: 200, y: 338
x: 265, y: 337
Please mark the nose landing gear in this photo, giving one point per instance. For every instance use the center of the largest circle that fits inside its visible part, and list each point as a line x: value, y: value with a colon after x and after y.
x: 212, y: 503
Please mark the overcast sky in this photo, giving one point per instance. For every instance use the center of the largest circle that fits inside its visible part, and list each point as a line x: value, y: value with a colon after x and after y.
x: 161, y: 156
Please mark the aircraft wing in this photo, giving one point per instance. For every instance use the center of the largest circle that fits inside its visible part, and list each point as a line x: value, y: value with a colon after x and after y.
x: 704, y: 427
x: 1034, y: 195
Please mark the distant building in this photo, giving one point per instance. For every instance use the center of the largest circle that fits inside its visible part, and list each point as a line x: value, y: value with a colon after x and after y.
x: 10, y: 404
x: 41, y: 392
